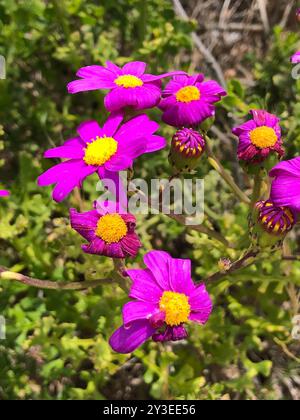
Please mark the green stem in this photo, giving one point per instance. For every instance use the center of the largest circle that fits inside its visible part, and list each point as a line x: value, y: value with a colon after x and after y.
x: 216, y: 164
x: 256, y: 188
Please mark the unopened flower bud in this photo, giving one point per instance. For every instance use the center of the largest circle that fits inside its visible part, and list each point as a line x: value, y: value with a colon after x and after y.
x: 186, y: 149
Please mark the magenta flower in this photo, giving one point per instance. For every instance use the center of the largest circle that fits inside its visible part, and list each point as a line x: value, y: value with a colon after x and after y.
x: 129, y: 86
x: 188, y: 100
x: 4, y: 193
x: 259, y: 137
x: 295, y: 59
x: 111, y: 148
x: 165, y: 298
x: 285, y: 189
x: 108, y: 232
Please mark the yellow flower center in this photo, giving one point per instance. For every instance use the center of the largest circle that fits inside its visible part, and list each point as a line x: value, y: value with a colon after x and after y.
x: 188, y: 94
x: 176, y: 307
x: 263, y: 137
x: 100, y: 150
x: 128, y: 81
x: 111, y: 228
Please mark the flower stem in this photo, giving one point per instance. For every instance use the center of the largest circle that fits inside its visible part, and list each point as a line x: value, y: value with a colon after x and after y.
x: 5, y: 274
x: 216, y: 164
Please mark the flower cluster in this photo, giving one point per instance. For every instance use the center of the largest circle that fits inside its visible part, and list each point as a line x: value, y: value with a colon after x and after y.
x: 165, y: 297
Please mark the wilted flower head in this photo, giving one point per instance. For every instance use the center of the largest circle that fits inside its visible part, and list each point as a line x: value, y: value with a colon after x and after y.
x: 259, y: 137
x: 186, y: 149
x: 110, y: 148
x: 109, y: 232
x: 129, y: 86
x: 285, y: 189
x: 188, y: 100
x: 295, y: 59
x: 275, y: 220
x: 165, y: 299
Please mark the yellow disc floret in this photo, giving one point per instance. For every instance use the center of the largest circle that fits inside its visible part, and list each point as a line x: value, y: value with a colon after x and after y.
x: 128, y: 81
x: 188, y: 94
x: 111, y: 228
x: 176, y: 307
x: 263, y: 137
x: 100, y: 150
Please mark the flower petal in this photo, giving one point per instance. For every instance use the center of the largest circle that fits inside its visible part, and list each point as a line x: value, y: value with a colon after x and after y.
x: 112, y: 123
x: 131, y: 244
x: 158, y: 264
x: 136, y: 68
x: 144, y: 287
x: 180, y: 276
x: 105, y: 76
x: 152, y: 77
x: 137, y: 310
x: 155, y: 143
x: 95, y: 247
x: 126, y: 340
x: 84, y: 85
x: 71, y: 149
x: 67, y: 176
x: 201, y: 304
x: 84, y: 223
x: 89, y: 130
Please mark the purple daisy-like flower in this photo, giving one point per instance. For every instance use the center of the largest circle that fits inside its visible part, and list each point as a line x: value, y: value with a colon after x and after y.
x: 295, y: 58
x: 4, y: 193
x: 285, y: 189
x: 108, y: 232
x: 188, y: 100
x: 111, y: 148
x: 129, y: 86
x: 259, y: 137
x: 165, y: 298
x: 275, y: 220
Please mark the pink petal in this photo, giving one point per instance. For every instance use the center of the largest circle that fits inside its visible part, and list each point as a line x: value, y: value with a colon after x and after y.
x: 114, y: 68
x: 136, y: 68
x: 180, y: 276
x: 158, y: 264
x: 126, y: 340
x: 89, y: 130
x: 144, y: 287
x: 201, y: 304
x: 131, y: 244
x: 155, y: 143
x: 152, y: 77
x: 84, y: 223
x: 137, y: 127
x: 118, y: 162
x: 137, y: 310
x: 84, y: 85
x: 112, y: 123
x: 71, y: 149
x: 67, y: 175
x: 100, y: 73
x: 96, y: 247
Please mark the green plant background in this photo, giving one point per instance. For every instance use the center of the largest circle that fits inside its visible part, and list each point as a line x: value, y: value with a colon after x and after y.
x: 57, y: 341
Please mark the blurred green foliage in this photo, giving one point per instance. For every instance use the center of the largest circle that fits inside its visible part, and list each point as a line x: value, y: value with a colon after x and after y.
x: 57, y: 342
